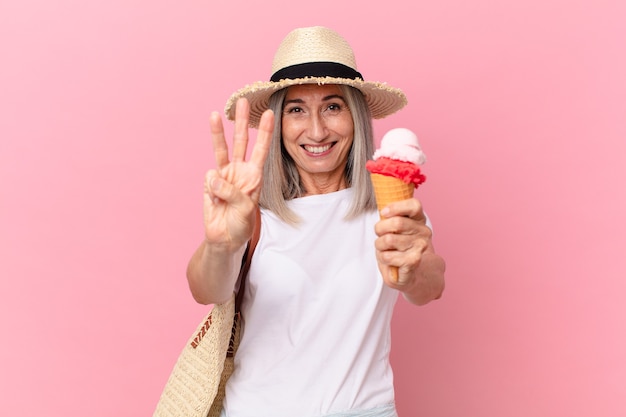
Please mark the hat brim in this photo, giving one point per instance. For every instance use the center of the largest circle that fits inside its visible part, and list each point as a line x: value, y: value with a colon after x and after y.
x: 382, y: 99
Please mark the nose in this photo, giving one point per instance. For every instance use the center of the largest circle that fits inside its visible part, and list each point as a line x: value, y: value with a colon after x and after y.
x: 317, y: 127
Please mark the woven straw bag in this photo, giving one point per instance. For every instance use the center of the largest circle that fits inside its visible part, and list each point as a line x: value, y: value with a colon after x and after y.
x: 196, y: 386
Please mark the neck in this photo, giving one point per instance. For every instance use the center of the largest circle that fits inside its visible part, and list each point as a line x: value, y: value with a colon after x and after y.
x: 324, y: 185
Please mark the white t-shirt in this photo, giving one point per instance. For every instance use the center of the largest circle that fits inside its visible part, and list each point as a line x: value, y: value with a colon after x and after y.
x: 316, y: 335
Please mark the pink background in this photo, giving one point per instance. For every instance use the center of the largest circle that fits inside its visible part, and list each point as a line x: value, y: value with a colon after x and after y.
x: 520, y: 106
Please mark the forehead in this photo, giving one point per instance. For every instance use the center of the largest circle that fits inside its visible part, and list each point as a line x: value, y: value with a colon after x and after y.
x: 312, y: 92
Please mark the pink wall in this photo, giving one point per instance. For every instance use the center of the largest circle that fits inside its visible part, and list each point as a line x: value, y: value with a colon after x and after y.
x: 104, y: 141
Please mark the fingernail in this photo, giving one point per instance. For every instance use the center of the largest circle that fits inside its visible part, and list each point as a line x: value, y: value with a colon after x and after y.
x: 216, y: 184
x: 384, y: 212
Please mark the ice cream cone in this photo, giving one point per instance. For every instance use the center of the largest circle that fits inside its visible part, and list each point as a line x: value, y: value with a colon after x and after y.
x: 388, y: 190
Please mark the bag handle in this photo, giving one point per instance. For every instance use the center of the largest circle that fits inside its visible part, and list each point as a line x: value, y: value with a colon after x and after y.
x: 247, y: 259
x: 243, y: 274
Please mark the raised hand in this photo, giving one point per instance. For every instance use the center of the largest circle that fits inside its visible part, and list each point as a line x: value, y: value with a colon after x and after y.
x: 232, y: 190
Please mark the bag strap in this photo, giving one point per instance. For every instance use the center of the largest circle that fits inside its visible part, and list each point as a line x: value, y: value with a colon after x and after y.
x: 247, y: 259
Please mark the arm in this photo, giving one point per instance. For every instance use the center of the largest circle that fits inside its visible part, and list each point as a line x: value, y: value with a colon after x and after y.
x: 231, y: 195
x: 405, y: 241
x: 211, y: 273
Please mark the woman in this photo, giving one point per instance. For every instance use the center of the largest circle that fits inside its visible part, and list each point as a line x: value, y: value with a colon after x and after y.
x: 319, y: 297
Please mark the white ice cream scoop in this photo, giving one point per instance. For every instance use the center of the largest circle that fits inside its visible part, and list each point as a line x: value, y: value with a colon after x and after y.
x: 401, y: 144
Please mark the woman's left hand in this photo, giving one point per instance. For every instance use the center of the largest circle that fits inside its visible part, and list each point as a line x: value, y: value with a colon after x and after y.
x: 404, y: 241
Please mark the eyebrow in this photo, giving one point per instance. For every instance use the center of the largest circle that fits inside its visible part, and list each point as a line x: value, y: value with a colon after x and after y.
x: 326, y: 98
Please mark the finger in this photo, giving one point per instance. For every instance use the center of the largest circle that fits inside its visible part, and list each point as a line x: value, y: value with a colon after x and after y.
x: 208, y: 192
x: 390, y: 272
x: 220, y: 149
x: 411, y: 207
x: 242, y: 117
x: 224, y: 192
x: 415, y: 237
x: 264, y: 138
x: 395, y: 226
x: 395, y: 267
x: 409, y: 250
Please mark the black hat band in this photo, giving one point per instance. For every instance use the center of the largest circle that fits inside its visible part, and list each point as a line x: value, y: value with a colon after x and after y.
x: 316, y: 69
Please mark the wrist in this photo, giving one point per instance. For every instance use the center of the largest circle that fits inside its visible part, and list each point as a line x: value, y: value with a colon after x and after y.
x: 428, y: 283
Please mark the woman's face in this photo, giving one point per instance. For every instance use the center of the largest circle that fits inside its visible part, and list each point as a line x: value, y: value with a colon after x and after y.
x: 318, y: 131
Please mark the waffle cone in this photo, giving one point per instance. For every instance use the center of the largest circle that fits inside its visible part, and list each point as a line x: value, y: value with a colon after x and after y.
x: 390, y: 189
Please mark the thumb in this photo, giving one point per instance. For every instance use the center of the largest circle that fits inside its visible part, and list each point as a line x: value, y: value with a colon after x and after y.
x: 221, y: 190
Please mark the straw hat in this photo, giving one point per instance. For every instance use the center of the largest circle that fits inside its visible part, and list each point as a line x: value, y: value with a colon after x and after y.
x: 316, y: 55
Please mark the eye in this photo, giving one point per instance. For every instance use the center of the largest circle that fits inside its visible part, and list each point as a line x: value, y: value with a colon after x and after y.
x: 333, y: 108
x: 293, y: 110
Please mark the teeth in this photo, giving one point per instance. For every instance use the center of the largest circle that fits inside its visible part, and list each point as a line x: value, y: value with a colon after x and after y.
x: 316, y: 149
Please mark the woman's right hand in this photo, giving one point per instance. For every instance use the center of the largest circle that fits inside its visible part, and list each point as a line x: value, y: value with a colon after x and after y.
x: 232, y: 190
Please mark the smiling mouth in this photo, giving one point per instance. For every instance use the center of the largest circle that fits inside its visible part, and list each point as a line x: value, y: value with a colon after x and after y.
x: 319, y: 149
